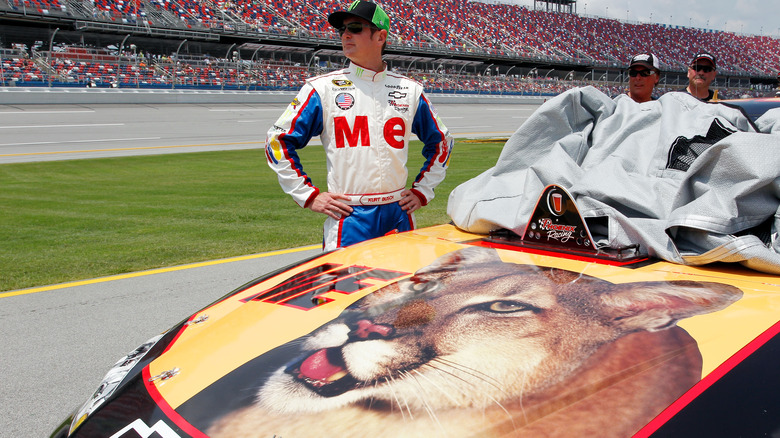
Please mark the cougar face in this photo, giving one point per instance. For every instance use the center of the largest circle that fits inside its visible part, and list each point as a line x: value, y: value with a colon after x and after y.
x: 472, y: 331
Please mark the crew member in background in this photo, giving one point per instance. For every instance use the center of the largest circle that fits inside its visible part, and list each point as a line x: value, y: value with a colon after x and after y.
x: 701, y: 73
x: 644, y: 72
x: 365, y: 116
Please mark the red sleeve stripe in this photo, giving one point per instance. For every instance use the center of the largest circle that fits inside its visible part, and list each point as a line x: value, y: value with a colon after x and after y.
x: 293, y: 164
x: 420, y: 196
x: 441, y: 154
x: 311, y: 197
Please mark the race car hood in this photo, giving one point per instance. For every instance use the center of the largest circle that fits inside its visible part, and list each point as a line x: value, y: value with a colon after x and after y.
x: 212, y: 376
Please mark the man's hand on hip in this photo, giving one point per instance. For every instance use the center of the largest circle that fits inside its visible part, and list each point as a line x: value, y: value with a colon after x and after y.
x: 409, y: 201
x: 331, y: 205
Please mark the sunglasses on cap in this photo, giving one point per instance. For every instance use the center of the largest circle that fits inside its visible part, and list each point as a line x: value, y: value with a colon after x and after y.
x: 354, y: 27
x: 704, y: 68
x: 644, y: 73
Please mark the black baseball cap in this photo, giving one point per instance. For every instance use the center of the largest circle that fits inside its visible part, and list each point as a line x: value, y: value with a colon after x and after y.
x: 368, y: 11
x: 704, y: 55
x: 647, y: 60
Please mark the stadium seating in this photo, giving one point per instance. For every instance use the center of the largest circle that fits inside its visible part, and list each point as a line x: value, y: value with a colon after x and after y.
x: 253, y: 13
x: 21, y: 70
x: 268, y: 74
x: 462, y: 25
x: 43, y: 7
x: 454, y: 25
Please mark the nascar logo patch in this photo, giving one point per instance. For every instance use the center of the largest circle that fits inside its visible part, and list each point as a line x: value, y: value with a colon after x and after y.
x: 345, y: 101
x: 342, y: 82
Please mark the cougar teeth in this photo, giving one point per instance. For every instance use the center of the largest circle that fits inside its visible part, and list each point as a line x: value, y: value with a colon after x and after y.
x: 336, y: 376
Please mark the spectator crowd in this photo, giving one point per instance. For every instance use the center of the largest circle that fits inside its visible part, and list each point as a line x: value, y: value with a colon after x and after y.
x: 451, y: 25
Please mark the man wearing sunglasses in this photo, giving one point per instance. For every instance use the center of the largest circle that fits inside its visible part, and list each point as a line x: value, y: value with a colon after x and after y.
x: 644, y: 72
x: 365, y: 117
x: 701, y: 73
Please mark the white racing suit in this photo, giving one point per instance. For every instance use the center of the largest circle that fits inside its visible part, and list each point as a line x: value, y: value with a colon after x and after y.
x: 365, y: 120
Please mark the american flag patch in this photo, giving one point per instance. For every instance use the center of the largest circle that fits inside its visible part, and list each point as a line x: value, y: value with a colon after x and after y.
x: 345, y: 101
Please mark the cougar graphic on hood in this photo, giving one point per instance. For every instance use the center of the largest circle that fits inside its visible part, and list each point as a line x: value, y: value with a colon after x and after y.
x: 473, y: 346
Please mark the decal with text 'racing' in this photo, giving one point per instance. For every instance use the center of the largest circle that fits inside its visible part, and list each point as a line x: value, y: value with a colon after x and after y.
x: 305, y: 290
x: 556, y: 225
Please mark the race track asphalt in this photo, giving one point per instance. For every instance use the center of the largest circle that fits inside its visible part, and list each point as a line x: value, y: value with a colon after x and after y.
x: 66, y: 132
x: 58, y: 341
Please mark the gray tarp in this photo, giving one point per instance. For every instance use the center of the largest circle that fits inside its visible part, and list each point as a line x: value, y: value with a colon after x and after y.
x: 691, y: 182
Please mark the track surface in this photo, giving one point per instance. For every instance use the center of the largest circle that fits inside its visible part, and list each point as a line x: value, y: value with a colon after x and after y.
x: 65, y: 132
x: 58, y: 341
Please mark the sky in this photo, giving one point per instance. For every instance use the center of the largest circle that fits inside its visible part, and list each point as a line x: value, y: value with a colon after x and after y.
x: 757, y: 17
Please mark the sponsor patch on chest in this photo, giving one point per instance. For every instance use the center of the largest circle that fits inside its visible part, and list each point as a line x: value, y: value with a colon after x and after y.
x: 345, y: 101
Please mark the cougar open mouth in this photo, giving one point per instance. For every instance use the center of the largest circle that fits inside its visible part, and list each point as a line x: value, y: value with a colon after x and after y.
x: 324, y: 372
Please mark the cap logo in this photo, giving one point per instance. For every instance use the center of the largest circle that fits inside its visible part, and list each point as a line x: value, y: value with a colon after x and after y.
x: 371, y: 12
x: 704, y: 55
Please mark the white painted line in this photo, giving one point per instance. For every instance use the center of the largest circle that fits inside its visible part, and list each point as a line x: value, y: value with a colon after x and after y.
x: 47, y: 112
x: 61, y: 126
x: 80, y: 141
x: 226, y: 110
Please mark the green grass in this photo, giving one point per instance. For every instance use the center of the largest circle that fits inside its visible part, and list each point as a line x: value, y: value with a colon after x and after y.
x: 71, y: 220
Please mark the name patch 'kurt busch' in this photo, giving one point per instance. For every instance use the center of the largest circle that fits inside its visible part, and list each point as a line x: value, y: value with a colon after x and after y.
x: 345, y: 101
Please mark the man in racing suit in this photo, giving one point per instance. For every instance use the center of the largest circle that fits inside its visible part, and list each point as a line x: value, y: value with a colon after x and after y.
x: 364, y: 116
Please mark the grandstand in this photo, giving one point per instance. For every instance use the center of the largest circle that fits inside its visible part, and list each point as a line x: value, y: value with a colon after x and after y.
x: 452, y: 46
x: 569, y: 6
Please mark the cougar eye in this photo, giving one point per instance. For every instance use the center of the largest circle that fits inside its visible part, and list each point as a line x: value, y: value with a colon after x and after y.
x: 424, y: 286
x: 508, y: 307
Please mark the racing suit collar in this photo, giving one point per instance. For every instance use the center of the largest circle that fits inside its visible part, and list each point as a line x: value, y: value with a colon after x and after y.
x: 366, y: 74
